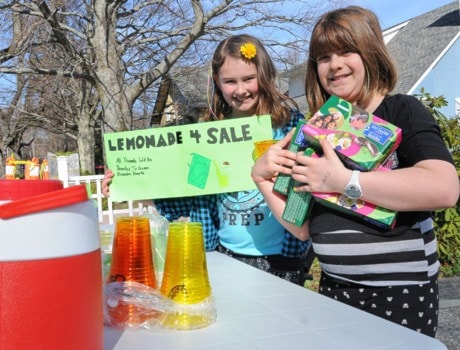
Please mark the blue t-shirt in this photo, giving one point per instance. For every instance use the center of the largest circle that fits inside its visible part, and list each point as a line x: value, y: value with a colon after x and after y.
x: 247, y: 225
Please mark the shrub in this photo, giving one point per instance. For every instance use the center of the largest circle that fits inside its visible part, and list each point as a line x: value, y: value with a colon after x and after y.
x: 447, y: 221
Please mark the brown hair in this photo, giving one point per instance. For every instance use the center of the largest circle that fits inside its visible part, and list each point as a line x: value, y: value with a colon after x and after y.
x: 271, y: 101
x: 350, y: 29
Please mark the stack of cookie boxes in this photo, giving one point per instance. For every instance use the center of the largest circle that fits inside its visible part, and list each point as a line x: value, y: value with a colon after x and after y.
x: 362, y: 141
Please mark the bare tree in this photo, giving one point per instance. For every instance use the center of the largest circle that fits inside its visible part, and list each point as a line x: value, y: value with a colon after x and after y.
x: 119, y: 49
x: 15, y: 130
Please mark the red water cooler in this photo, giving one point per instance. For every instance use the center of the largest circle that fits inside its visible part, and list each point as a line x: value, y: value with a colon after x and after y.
x: 50, y: 271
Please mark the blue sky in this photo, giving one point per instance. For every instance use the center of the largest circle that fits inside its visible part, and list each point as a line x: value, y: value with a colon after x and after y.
x: 392, y: 12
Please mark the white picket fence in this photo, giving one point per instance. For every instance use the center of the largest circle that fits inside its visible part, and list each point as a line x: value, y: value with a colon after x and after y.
x: 107, y: 216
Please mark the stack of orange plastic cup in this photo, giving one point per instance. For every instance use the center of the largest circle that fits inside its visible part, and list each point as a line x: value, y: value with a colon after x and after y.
x: 132, y: 261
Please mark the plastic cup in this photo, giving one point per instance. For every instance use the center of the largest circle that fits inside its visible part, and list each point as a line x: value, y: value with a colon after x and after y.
x: 106, y: 237
x: 185, y: 277
x: 260, y: 147
x: 132, y: 261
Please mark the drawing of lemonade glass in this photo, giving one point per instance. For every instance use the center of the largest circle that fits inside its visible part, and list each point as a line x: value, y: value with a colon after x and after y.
x: 222, y: 173
x: 198, y: 173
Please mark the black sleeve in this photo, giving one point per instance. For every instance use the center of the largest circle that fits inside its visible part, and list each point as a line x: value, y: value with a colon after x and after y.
x: 421, y: 136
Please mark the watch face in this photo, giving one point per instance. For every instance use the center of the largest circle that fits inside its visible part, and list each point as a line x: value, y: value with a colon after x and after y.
x: 353, y: 192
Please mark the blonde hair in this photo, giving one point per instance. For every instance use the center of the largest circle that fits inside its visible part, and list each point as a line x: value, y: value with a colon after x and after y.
x: 350, y: 29
x: 271, y: 101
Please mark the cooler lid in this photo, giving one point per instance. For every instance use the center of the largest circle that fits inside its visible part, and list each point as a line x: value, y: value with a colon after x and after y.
x: 45, y: 201
x: 18, y: 189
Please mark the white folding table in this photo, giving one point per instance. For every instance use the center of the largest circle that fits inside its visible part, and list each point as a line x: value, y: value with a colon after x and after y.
x: 256, y: 310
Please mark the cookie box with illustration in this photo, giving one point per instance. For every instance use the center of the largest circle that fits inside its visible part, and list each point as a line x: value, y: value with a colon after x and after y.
x: 298, y: 205
x: 298, y: 143
x: 362, y: 140
x: 369, y: 212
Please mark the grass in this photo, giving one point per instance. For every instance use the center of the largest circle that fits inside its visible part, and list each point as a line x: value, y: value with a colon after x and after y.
x: 315, y: 271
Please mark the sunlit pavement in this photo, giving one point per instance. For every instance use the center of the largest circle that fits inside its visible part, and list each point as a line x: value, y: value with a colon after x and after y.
x: 449, y: 313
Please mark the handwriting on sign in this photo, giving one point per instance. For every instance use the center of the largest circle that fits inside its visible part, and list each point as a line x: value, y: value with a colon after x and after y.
x: 145, y: 141
x: 213, y: 136
x: 229, y: 135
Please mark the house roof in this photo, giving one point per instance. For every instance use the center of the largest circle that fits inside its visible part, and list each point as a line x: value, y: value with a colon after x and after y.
x: 186, y: 89
x: 191, y: 84
x: 420, y: 42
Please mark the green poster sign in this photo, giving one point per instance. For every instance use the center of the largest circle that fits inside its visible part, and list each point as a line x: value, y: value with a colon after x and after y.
x: 186, y: 160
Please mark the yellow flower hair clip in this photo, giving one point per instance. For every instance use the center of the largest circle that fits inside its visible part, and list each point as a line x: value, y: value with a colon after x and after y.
x: 248, y: 50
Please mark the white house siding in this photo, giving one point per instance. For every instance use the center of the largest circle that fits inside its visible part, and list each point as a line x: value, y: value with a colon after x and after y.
x: 444, y: 78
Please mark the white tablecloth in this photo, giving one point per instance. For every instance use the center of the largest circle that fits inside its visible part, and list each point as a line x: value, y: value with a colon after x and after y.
x: 256, y: 310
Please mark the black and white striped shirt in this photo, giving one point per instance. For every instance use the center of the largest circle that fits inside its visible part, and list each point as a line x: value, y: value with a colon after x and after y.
x: 352, y: 250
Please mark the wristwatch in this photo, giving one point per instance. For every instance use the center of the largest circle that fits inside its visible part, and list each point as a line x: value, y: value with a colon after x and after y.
x: 353, y: 188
